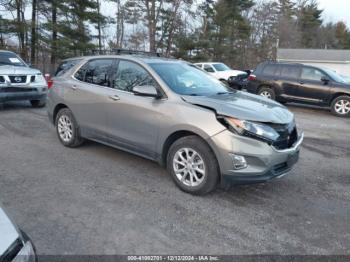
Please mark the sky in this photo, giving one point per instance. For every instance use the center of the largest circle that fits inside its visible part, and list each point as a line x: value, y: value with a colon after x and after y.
x: 336, y: 10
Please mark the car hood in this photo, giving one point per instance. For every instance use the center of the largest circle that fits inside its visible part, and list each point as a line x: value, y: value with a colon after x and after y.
x: 18, y: 70
x: 8, y: 232
x: 244, y: 106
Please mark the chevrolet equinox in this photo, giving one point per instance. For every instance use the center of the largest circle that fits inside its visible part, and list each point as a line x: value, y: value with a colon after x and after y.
x: 174, y: 113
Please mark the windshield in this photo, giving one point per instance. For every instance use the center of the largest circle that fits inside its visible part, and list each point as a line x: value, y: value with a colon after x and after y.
x: 8, y: 58
x: 221, y: 67
x: 335, y: 76
x: 186, y: 79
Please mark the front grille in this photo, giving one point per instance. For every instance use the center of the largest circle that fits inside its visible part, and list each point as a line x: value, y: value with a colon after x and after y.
x: 12, y: 252
x: 2, y: 79
x: 16, y: 90
x: 18, y: 79
x: 288, y: 135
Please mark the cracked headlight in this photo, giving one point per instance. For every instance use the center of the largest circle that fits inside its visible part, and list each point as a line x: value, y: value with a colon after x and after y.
x: 251, y: 129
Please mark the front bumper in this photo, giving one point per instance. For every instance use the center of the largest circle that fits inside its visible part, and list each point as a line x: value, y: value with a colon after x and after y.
x: 23, y: 93
x: 264, y: 162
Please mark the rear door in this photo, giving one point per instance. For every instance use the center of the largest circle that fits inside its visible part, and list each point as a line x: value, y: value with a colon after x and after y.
x: 92, y: 92
x: 288, y: 79
x: 312, y: 89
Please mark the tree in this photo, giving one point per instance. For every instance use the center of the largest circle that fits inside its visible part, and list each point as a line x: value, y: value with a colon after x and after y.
x: 309, y: 22
x: 287, y: 29
x: 33, y: 40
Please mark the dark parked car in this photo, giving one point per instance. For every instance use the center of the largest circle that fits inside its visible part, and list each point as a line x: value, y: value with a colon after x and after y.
x: 240, y: 81
x: 303, y: 84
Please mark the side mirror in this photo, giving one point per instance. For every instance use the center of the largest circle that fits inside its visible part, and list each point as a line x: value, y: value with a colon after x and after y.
x: 149, y: 91
x: 325, y: 80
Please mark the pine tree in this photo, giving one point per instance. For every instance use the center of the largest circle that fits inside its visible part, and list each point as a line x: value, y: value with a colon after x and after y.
x: 309, y: 22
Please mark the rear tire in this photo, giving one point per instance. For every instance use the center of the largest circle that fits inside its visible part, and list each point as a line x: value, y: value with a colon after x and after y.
x: 37, y: 103
x: 341, y: 106
x: 193, y: 165
x: 267, y: 92
x: 67, y: 129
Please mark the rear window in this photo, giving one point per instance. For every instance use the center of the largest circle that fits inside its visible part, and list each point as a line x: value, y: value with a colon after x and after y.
x: 65, y: 66
x: 269, y: 70
x: 290, y: 71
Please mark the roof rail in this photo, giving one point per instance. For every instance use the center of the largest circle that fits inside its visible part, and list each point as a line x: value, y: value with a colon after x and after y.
x: 121, y: 51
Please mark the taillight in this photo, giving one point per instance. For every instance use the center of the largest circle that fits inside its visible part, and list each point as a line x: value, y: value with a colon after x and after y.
x: 251, y: 78
x: 49, y: 81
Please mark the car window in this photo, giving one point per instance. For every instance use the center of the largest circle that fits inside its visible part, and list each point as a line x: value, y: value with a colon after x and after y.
x: 186, y: 79
x: 199, y: 65
x: 9, y: 58
x: 209, y: 68
x: 269, y: 70
x: 312, y: 74
x: 65, y: 66
x: 129, y: 75
x: 221, y: 67
x: 96, y: 72
x: 290, y: 72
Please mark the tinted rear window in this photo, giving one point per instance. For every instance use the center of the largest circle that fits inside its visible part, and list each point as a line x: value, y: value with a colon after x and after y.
x: 269, y: 70
x: 290, y: 71
x: 65, y: 66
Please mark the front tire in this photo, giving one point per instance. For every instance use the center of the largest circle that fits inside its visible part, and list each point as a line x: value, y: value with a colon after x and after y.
x: 67, y: 129
x: 193, y: 165
x: 341, y: 106
x: 267, y: 92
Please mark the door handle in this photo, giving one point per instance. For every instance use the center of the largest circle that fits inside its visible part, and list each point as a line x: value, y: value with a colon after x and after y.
x: 114, y: 98
x: 302, y: 83
x: 74, y: 87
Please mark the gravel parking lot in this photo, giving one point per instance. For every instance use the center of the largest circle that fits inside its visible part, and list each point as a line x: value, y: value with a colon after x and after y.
x: 99, y: 200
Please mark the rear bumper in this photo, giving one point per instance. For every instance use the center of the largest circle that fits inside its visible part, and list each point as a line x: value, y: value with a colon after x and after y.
x: 264, y: 162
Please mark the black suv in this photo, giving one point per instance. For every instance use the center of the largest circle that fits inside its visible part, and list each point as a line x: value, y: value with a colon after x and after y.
x: 300, y: 83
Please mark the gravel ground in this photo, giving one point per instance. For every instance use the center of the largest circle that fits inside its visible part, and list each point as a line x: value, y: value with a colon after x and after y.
x: 99, y: 200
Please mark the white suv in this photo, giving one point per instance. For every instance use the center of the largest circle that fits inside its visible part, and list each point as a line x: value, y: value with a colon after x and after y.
x: 18, y: 81
x: 219, y: 70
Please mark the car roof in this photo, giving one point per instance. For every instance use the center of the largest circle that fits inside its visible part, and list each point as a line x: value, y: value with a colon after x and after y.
x: 143, y: 58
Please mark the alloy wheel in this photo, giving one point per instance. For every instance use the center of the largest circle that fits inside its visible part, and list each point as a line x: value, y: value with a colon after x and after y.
x: 266, y: 94
x: 65, y: 128
x: 342, y: 107
x: 189, y: 167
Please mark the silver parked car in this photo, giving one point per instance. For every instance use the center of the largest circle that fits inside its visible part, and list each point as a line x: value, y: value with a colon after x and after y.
x: 18, y: 81
x: 15, y: 246
x: 174, y: 113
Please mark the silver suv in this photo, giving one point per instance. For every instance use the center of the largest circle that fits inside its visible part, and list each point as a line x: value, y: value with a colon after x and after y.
x: 20, y: 82
x: 172, y: 112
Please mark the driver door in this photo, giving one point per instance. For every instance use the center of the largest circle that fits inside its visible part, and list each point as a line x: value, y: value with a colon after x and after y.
x: 133, y: 121
x: 312, y: 89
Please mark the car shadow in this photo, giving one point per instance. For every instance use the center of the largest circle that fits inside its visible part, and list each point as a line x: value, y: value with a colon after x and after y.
x: 7, y: 106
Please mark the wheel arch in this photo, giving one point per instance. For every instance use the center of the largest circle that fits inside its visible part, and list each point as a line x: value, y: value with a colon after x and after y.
x: 176, y: 136
x: 336, y: 95
x: 58, y: 107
